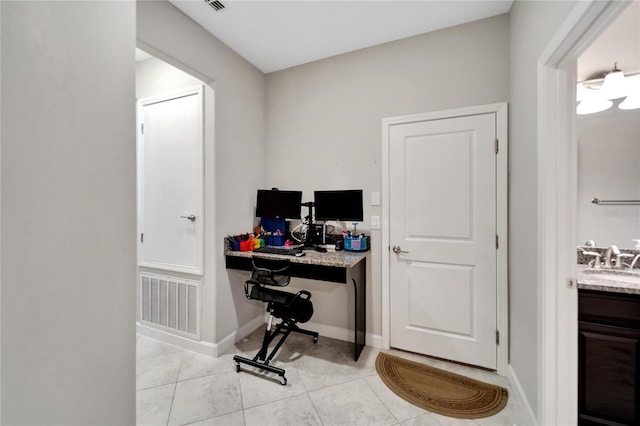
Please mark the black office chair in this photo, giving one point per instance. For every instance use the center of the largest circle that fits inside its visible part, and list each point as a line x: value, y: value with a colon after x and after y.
x: 289, y: 307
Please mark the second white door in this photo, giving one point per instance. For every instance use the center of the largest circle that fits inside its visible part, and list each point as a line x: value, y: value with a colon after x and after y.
x: 171, y: 182
x: 443, y: 285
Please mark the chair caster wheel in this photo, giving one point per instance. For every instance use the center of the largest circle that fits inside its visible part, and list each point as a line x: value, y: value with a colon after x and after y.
x: 237, y: 367
x: 315, y: 340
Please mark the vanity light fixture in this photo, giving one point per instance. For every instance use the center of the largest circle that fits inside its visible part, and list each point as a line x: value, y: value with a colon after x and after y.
x: 592, y: 101
x: 614, y: 85
x: 595, y: 95
x: 632, y: 101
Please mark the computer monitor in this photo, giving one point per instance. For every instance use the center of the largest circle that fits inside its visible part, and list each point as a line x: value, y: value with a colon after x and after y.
x: 342, y: 205
x: 274, y: 203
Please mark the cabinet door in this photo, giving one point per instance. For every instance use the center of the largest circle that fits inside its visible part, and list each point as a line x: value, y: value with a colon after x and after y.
x: 608, y: 375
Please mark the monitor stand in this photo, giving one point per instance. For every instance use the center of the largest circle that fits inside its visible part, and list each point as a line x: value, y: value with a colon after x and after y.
x: 308, y: 243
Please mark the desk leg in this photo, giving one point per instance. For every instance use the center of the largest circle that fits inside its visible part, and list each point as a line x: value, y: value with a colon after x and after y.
x: 360, y: 299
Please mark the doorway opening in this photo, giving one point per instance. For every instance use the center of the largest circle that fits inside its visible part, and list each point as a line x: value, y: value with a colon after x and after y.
x: 175, y: 149
x: 557, y: 198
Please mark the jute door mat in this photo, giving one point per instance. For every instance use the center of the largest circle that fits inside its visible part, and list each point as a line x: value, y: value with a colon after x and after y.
x: 440, y: 391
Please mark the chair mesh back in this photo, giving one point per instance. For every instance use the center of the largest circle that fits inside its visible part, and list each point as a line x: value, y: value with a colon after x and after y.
x: 271, y: 272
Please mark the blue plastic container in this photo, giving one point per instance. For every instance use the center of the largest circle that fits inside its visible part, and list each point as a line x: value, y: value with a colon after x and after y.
x: 356, y: 243
x: 274, y: 240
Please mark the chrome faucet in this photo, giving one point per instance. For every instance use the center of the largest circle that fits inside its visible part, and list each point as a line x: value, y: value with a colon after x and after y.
x: 619, y: 260
x: 596, y: 261
x: 607, y: 256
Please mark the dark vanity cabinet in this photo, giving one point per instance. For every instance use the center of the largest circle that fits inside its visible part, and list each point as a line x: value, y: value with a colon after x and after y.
x: 609, y: 358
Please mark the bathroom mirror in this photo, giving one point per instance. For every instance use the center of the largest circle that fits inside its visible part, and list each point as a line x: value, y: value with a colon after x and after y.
x: 609, y: 142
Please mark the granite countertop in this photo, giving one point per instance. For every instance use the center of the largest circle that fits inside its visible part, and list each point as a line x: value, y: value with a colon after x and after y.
x: 609, y: 280
x: 330, y: 258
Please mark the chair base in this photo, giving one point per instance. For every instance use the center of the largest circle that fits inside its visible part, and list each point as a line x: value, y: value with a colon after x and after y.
x: 279, y: 371
x: 261, y: 360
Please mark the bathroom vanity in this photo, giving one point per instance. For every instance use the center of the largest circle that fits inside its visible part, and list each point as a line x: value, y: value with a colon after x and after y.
x: 609, y: 347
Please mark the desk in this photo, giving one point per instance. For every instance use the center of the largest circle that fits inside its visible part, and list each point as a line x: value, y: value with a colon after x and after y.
x: 338, y: 267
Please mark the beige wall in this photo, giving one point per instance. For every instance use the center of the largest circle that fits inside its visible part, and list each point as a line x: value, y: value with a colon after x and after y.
x: 155, y: 77
x: 324, y: 121
x: 68, y: 213
x: 239, y: 120
x: 532, y: 25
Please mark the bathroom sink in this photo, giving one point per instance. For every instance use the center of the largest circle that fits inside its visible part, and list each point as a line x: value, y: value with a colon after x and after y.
x: 620, y: 276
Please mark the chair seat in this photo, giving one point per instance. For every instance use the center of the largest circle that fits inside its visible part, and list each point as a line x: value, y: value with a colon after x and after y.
x: 270, y: 295
x: 284, y: 305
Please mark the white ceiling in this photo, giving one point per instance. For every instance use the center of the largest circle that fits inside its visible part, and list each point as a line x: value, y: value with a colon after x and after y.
x: 620, y: 43
x: 274, y: 35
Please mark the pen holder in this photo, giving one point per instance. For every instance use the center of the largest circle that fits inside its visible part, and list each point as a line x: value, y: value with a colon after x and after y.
x: 356, y: 243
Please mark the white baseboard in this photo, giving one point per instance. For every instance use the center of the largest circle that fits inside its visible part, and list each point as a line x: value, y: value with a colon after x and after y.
x: 227, y: 342
x: 230, y: 339
x: 373, y: 340
x: 513, y: 378
x: 201, y: 346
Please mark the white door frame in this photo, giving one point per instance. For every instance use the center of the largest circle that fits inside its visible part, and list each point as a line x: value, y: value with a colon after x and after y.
x: 502, y: 319
x: 557, y: 192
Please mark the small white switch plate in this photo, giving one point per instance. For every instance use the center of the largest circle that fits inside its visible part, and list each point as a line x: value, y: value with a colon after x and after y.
x: 375, y: 222
x: 375, y: 198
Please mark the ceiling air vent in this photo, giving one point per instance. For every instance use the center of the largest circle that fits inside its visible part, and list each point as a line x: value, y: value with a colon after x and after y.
x: 217, y: 5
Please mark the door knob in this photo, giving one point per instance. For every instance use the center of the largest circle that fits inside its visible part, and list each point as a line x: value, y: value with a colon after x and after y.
x: 398, y: 250
x: 191, y: 217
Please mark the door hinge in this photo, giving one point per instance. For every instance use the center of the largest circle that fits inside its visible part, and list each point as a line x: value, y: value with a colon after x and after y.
x: 497, y: 146
x: 142, y: 128
x: 497, y: 337
x: 497, y: 242
x: 142, y: 238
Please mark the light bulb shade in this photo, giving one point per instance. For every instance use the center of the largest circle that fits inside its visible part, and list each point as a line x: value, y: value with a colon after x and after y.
x: 614, y: 85
x: 592, y: 102
x: 633, y: 99
x: 632, y: 102
x: 580, y: 92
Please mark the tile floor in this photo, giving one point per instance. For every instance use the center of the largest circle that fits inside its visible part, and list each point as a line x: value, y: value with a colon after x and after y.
x: 325, y: 387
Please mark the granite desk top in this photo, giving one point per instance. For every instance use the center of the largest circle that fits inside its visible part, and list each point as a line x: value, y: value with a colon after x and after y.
x: 608, y: 280
x: 344, y: 259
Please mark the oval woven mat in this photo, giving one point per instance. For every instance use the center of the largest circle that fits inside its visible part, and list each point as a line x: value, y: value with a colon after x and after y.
x: 440, y: 391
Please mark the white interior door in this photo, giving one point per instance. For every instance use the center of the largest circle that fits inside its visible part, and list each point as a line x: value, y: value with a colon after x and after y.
x: 171, y: 182
x: 443, y: 283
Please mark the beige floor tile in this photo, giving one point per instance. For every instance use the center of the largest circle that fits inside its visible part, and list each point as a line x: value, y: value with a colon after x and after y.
x: 325, y: 386
x: 157, y: 370
x: 297, y: 410
x: 205, y: 397
x: 153, y: 405
x: 352, y: 403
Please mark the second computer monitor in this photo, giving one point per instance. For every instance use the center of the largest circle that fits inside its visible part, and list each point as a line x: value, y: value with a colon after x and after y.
x: 341, y: 205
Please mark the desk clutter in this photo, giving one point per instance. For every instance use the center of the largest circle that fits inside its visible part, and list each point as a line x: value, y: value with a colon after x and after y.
x: 276, y: 242
x: 259, y: 238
